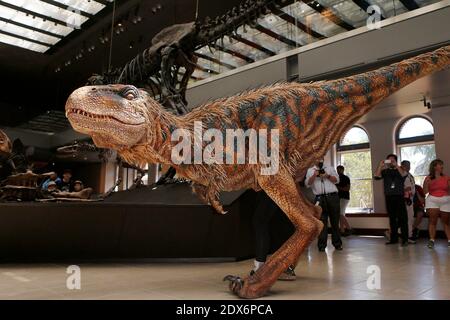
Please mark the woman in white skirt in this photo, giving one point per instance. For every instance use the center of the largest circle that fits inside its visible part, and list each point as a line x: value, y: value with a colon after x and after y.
x: 437, y: 203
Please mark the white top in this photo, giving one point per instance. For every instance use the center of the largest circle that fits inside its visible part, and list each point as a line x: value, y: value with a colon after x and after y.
x: 322, y: 186
x: 410, y: 182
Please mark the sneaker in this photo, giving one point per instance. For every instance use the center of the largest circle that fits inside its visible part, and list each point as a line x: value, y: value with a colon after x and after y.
x: 404, y: 243
x: 339, y: 248
x: 412, y: 241
x: 288, y: 275
x: 431, y: 244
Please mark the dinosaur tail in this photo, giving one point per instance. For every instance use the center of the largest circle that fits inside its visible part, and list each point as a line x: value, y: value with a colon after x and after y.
x: 367, y: 89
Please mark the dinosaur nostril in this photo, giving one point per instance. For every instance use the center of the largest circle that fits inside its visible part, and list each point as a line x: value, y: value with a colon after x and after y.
x: 94, y: 89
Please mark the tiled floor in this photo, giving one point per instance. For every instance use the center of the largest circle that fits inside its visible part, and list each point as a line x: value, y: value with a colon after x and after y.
x: 414, y: 272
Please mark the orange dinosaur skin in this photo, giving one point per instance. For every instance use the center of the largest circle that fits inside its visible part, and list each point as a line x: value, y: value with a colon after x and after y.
x: 309, y: 117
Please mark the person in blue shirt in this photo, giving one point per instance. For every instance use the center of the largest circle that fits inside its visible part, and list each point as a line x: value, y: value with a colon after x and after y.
x: 53, y: 177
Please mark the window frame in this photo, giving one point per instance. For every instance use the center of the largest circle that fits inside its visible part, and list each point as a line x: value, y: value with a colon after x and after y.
x: 412, y: 140
x: 359, y: 147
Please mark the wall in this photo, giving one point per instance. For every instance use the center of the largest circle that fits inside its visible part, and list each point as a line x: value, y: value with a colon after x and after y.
x: 247, y: 79
x: 441, y: 120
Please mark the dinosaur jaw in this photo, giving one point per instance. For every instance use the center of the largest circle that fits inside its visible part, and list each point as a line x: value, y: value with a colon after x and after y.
x: 107, y: 131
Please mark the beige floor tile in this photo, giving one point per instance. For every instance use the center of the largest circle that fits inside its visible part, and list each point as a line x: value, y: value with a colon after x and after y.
x: 414, y: 272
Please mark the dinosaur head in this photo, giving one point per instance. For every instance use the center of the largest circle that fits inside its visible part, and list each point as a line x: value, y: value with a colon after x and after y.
x: 5, y: 144
x: 115, y: 116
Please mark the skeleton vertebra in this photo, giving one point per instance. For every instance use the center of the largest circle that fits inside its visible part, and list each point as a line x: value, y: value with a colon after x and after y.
x: 310, y: 118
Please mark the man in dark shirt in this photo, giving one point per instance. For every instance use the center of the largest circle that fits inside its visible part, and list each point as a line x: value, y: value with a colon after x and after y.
x: 66, y: 181
x: 394, y: 176
x: 344, y: 197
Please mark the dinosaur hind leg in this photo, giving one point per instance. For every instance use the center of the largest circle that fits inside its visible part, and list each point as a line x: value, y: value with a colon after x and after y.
x: 281, y: 188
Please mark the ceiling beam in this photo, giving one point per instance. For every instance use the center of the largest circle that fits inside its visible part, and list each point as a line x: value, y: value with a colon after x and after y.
x: 290, y: 19
x: 32, y: 13
x: 277, y: 36
x: 327, y: 13
x: 234, y: 53
x: 32, y: 28
x: 197, y: 78
x: 207, y: 70
x: 68, y: 8
x: 253, y: 45
x: 25, y: 38
x: 104, y: 2
x: 218, y: 61
x: 410, y: 4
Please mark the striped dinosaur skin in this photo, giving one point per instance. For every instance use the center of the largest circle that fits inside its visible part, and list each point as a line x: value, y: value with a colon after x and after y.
x: 310, y: 119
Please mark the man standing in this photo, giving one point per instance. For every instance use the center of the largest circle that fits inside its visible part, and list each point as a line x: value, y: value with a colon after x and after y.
x: 322, y: 180
x: 394, y: 180
x: 344, y: 197
x: 410, y: 191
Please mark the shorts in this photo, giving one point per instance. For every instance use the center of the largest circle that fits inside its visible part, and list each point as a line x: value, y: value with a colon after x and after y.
x: 442, y: 203
x: 343, y: 205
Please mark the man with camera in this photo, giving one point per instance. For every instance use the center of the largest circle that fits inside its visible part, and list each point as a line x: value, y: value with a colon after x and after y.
x: 322, y: 180
x: 393, y: 177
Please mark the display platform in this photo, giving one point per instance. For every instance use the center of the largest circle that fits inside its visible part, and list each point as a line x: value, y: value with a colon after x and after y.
x: 167, y: 223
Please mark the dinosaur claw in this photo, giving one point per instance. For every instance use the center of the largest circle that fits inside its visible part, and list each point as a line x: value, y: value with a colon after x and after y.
x: 236, y: 283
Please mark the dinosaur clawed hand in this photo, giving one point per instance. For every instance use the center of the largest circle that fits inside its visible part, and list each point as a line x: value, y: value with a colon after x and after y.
x: 244, y: 288
x: 236, y: 283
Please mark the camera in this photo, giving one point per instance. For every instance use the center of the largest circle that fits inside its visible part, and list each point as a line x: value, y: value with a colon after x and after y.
x: 321, y: 169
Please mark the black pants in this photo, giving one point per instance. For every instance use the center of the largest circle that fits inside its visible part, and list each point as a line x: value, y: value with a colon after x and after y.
x: 330, y: 210
x: 398, y: 216
x: 272, y: 227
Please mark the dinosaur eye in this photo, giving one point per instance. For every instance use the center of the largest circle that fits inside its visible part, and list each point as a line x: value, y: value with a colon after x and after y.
x: 130, y: 94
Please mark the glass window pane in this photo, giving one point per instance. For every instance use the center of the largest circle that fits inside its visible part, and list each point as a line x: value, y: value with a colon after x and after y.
x: 71, y: 18
x: 361, y: 196
x: 420, y: 157
x: 416, y: 127
x: 358, y: 167
x: 355, y: 136
x: 91, y: 7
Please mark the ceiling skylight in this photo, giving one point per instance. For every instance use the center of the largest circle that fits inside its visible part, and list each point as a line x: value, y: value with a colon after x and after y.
x: 38, y: 25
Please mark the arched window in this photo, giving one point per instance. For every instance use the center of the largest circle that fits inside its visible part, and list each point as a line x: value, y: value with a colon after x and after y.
x: 353, y: 152
x: 415, y: 143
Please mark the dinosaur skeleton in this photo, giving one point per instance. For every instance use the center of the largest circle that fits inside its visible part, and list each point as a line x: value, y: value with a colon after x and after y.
x: 164, y: 69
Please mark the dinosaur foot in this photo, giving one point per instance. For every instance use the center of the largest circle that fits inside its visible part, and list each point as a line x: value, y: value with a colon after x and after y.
x: 241, y: 287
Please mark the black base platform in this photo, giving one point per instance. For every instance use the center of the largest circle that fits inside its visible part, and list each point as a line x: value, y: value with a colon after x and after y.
x: 166, y: 223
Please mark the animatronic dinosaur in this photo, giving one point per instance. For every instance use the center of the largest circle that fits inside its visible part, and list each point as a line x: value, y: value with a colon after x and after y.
x: 310, y: 117
x: 166, y: 67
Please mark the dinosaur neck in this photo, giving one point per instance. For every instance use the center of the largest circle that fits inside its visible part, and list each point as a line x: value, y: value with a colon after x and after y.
x: 156, y: 145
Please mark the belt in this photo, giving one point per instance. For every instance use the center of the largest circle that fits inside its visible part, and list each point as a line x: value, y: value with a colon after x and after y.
x: 327, y: 194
